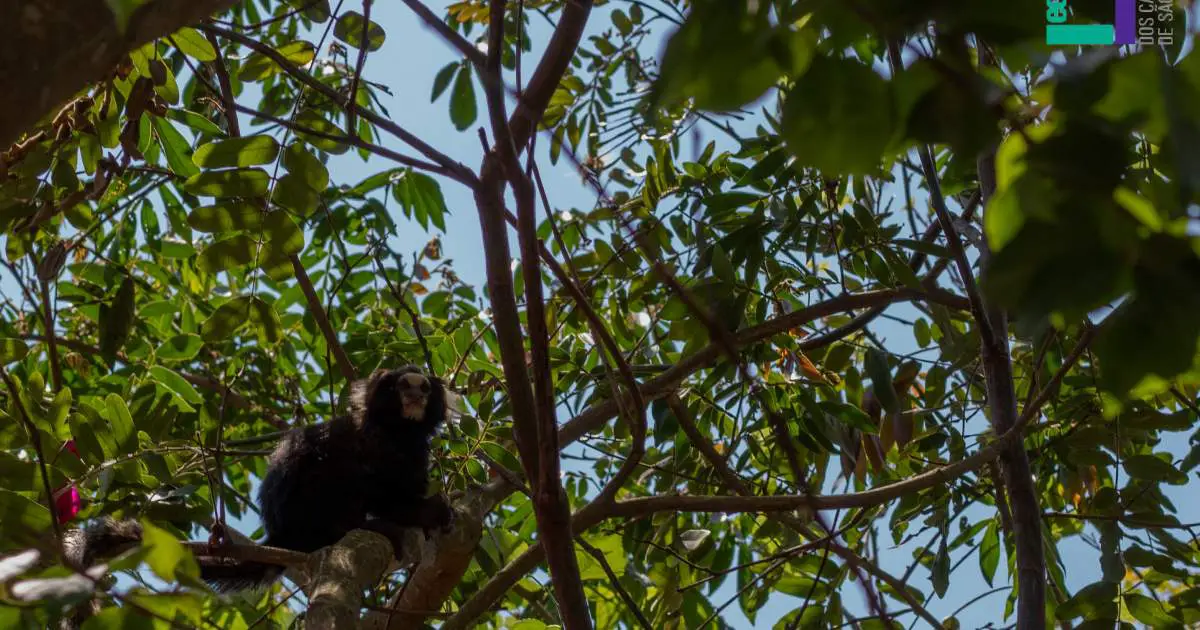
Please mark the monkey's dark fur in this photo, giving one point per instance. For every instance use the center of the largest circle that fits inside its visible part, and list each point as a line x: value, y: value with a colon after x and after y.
x: 366, y: 470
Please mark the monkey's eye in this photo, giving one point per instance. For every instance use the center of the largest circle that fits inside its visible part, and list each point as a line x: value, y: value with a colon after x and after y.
x: 425, y: 387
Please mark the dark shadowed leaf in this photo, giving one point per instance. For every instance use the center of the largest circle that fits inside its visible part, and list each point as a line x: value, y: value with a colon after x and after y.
x: 226, y: 254
x: 349, y: 29
x: 838, y: 117
x: 300, y: 162
x: 462, y: 100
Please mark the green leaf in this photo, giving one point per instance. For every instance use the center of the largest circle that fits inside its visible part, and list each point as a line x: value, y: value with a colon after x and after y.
x: 722, y: 203
x: 989, y: 551
x: 12, y: 350
x: 167, y: 558
x: 123, y: 431
x: 940, y: 570
x: 195, y: 121
x: 191, y: 43
x: 226, y: 217
x: 621, y: 21
x: 881, y: 380
x: 851, y: 416
x: 442, y: 80
x: 226, y: 320
x: 722, y: 268
x: 463, y: 110
x: 349, y: 29
x: 1155, y: 334
x: 419, y: 194
x: 293, y: 192
x: 175, y: 384
x: 258, y: 67
x: 89, y: 447
x: 234, y: 314
x: 1049, y: 268
x: 265, y: 320
x: 724, y: 57
x: 116, y: 320
x: 299, y: 162
x: 1097, y: 600
x: 60, y: 410
x: 1149, y: 611
x: 179, y: 348
x: 22, y: 520
x: 837, y: 117
x: 316, y: 122
x: 248, y: 151
x: 230, y: 253
x: 284, y: 237
x: 175, y: 147
x: 1153, y: 468
x: 243, y: 182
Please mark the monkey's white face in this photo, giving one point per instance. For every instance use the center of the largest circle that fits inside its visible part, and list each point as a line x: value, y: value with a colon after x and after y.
x: 413, y: 390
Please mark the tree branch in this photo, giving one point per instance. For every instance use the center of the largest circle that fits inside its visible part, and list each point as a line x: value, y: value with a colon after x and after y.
x: 340, y: 573
x: 318, y: 313
x: 551, y: 507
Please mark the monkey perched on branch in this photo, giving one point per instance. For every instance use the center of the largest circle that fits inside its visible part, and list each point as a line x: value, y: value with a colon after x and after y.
x: 367, y: 470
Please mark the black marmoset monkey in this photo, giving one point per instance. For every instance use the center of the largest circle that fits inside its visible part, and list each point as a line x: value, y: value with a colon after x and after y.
x: 367, y: 470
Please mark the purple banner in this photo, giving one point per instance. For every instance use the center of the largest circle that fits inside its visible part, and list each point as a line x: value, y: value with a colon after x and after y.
x: 1125, y: 22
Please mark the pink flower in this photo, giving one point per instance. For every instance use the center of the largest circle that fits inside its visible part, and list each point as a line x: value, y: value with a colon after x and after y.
x: 67, y: 504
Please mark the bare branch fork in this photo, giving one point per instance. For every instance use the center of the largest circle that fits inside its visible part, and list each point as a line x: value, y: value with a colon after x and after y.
x: 534, y: 423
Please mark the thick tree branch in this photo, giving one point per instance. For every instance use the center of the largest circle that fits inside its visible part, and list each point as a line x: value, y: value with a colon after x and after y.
x: 51, y: 50
x: 541, y: 458
x: 992, y: 325
x: 432, y: 581
x: 550, y: 70
x: 339, y: 575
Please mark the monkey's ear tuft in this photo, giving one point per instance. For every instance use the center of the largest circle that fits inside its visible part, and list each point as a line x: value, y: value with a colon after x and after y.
x: 360, y: 392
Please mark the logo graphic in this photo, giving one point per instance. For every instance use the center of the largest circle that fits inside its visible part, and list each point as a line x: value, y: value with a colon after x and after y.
x: 1146, y: 22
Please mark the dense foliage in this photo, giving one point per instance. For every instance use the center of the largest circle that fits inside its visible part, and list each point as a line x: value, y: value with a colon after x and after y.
x: 865, y: 285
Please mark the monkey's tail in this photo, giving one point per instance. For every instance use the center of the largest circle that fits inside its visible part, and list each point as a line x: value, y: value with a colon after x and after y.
x: 228, y: 576
x: 103, y: 538
x: 108, y: 537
